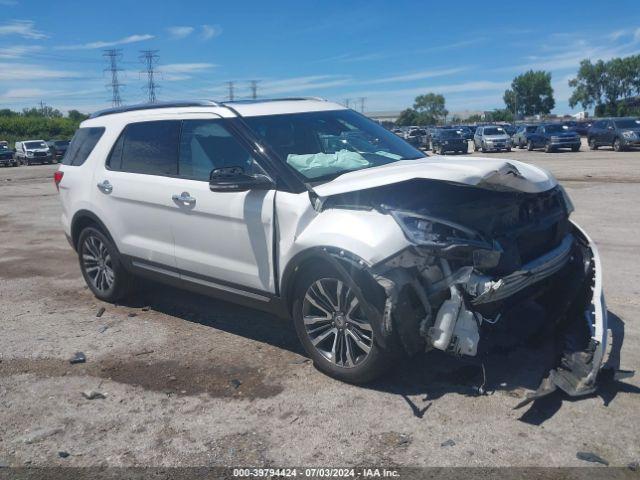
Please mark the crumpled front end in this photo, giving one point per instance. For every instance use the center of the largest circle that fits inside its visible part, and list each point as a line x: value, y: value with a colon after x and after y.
x: 477, y: 255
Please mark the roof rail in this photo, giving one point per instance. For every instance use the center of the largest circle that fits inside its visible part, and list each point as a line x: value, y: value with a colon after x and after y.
x: 263, y: 100
x: 150, y: 106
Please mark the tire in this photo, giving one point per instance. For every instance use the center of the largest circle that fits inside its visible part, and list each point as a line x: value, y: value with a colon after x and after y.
x: 575, y: 148
x: 111, y: 282
x: 483, y: 149
x: 592, y: 144
x: 352, y: 363
x: 617, y: 145
x: 508, y: 149
x: 530, y: 146
x: 548, y: 148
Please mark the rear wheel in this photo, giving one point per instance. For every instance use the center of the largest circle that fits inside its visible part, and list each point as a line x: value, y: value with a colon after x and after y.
x: 617, y: 145
x: 102, y: 266
x: 592, y: 144
x: 334, y: 329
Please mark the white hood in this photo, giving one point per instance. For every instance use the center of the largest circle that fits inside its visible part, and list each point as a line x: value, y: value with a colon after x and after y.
x: 483, y: 172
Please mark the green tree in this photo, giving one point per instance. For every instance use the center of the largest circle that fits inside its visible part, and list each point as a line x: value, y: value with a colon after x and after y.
x: 530, y: 94
x: 76, y: 116
x: 607, y: 86
x: 500, y: 115
x: 407, y: 117
x: 431, y: 108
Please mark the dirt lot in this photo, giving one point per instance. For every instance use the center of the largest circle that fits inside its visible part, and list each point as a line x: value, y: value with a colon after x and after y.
x: 193, y: 381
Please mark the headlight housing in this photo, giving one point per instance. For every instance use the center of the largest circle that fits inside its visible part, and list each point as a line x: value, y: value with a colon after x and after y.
x: 29, y: 154
x: 449, y: 239
x: 427, y: 230
x: 629, y: 134
x: 567, y: 200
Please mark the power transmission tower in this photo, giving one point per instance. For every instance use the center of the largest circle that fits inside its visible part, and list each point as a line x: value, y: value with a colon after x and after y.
x: 362, y: 100
x: 113, y: 55
x: 230, y: 85
x: 149, y: 58
x: 253, y: 84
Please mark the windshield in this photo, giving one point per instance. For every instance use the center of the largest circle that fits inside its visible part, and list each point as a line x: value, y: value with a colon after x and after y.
x: 555, y: 128
x: 628, y: 123
x: 322, y: 145
x: 61, y: 143
x: 449, y: 133
x: 494, y: 131
x: 31, y: 145
x: 532, y: 128
x: 3, y: 148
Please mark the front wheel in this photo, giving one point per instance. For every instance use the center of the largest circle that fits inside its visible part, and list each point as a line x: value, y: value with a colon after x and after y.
x: 592, y: 144
x: 334, y: 329
x: 617, y: 145
x: 575, y: 148
x: 548, y: 148
x: 530, y: 145
x: 102, y: 267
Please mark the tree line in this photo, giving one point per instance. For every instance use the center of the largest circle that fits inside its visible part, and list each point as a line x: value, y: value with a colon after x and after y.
x: 611, y: 87
x: 42, y: 123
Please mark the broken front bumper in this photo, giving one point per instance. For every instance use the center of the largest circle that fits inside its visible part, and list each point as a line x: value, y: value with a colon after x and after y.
x: 578, y: 372
x: 567, y: 280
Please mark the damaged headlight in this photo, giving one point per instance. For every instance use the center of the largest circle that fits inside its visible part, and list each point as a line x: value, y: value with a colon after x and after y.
x: 445, y: 236
x: 568, y: 204
x: 424, y: 229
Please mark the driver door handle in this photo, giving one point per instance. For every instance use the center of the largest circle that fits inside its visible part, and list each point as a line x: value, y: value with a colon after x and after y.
x: 105, y: 186
x: 184, y: 198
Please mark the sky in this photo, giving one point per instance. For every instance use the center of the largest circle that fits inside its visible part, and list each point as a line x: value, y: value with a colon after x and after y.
x: 387, y: 52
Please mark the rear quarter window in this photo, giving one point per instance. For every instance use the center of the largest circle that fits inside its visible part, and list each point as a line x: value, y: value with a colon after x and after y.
x: 82, y: 144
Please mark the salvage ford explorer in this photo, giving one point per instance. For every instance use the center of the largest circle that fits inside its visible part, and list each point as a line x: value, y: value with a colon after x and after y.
x: 310, y: 210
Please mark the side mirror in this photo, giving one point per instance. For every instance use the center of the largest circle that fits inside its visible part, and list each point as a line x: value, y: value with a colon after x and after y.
x: 234, y: 179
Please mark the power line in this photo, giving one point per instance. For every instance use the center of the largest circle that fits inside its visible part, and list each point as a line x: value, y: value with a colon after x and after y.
x: 113, y: 55
x: 149, y: 58
x: 253, y: 85
x: 230, y: 85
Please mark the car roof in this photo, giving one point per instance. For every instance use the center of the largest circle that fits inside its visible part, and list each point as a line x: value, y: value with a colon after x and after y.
x: 245, y: 108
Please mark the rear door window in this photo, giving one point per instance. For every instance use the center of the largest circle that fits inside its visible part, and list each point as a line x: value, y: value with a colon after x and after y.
x: 149, y: 148
x: 82, y: 144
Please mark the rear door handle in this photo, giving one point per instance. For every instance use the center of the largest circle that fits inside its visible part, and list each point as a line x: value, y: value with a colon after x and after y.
x: 105, y: 186
x: 184, y: 198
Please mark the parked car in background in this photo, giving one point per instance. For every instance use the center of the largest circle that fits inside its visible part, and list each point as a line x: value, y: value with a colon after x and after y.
x: 417, y: 137
x: 521, y: 137
x: 58, y: 148
x: 33, y: 151
x: 6, y: 157
x: 448, y: 140
x: 510, y: 129
x: 466, y: 131
x: 491, y: 138
x: 619, y: 133
x: 4, y: 143
x: 553, y: 136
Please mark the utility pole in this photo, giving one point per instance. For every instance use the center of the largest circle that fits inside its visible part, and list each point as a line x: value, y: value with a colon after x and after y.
x: 253, y: 84
x: 362, y: 100
x: 149, y: 58
x: 346, y: 102
x: 113, y: 55
x: 230, y: 86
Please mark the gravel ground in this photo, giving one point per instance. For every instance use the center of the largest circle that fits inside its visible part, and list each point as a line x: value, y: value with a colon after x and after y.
x: 190, y: 380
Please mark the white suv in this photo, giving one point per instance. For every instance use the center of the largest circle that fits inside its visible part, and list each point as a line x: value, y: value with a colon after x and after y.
x: 312, y: 211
